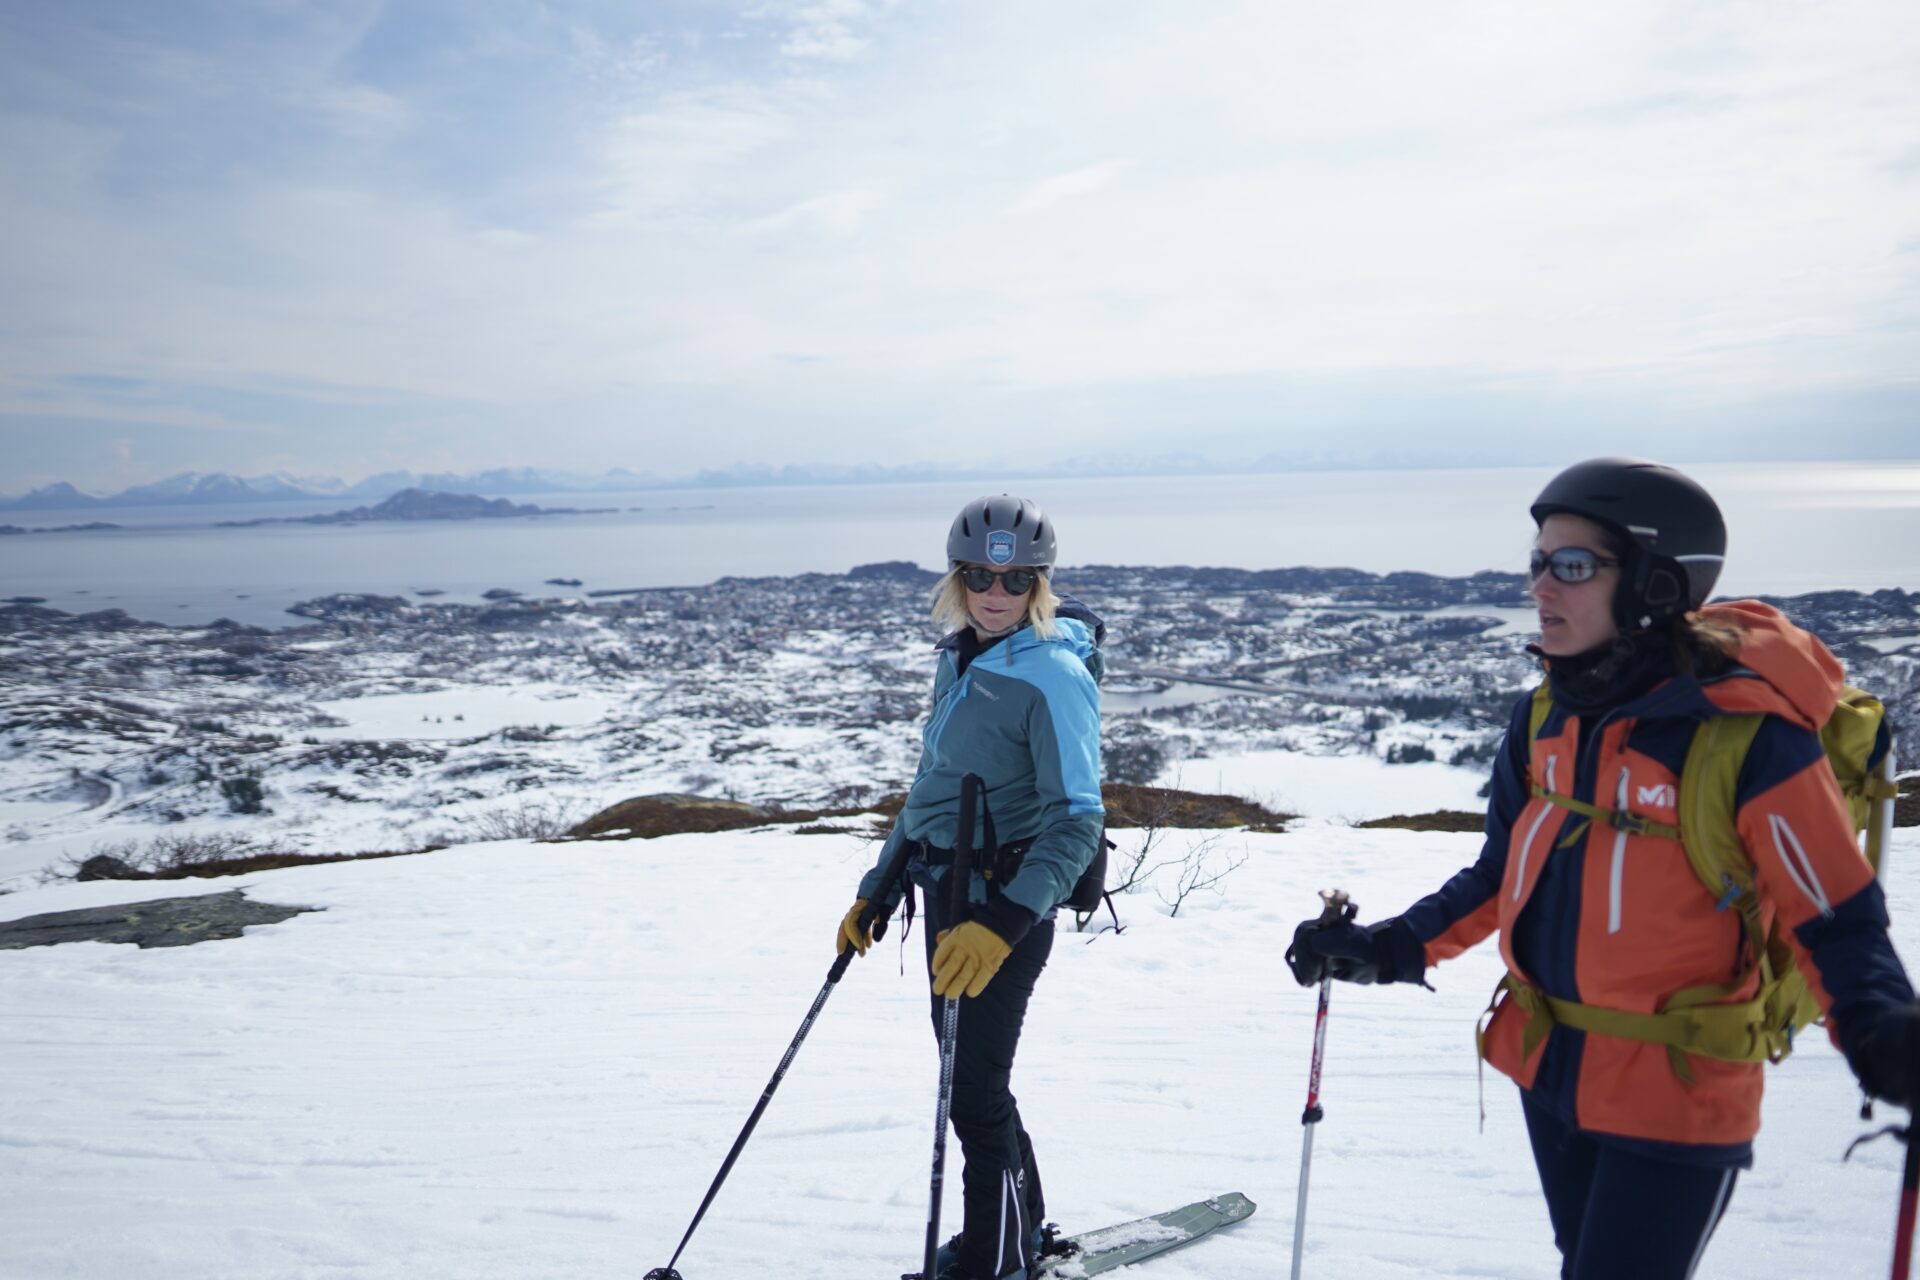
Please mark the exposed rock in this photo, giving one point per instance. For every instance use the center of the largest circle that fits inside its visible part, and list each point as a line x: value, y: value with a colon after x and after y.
x: 162, y: 922
x: 102, y: 866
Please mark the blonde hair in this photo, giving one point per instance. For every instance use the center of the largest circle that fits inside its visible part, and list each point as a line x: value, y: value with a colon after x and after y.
x: 950, y: 603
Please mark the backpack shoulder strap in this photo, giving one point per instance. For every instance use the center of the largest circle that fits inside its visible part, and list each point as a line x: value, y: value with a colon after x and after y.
x: 1707, y: 819
x: 1537, y: 713
x: 1618, y: 819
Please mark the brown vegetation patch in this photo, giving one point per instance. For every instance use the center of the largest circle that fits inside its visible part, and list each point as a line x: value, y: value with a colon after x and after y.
x: 1439, y: 820
x: 1129, y: 805
x: 202, y: 857
x: 1906, y: 808
x: 644, y: 817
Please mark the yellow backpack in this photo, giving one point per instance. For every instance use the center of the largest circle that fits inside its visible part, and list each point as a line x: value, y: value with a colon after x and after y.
x: 1696, y: 1020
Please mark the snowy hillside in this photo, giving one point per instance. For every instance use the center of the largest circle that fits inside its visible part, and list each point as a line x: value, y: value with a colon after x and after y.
x: 519, y: 1060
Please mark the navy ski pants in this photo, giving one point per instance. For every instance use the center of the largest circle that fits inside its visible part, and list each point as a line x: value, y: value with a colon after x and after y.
x: 1000, y: 1182
x: 1617, y: 1212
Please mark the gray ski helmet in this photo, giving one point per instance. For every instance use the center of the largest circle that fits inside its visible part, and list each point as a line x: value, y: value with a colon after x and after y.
x: 1675, y: 538
x: 1001, y: 531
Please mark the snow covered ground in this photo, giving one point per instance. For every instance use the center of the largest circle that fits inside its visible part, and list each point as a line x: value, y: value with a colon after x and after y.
x: 519, y: 1060
x: 1351, y: 788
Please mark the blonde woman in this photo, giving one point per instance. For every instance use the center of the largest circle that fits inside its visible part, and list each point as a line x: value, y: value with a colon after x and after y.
x: 1015, y: 701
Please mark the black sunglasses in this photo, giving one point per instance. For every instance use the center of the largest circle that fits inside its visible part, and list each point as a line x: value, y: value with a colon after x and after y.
x: 1017, y: 581
x: 1569, y: 564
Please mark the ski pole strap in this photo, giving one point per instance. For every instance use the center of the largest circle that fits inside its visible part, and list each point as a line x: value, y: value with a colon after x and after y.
x: 873, y: 920
x: 1693, y: 1022
x: 1619, y: 819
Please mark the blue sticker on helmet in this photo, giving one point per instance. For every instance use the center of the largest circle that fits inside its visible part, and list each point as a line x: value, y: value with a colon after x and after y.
x: 1000, y: 547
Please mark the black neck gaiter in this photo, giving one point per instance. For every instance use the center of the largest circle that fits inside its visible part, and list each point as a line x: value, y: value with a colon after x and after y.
x: 1609, y: 676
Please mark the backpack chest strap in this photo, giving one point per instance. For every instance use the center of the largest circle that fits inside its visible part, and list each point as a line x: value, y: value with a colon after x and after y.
x: 1619, y: 819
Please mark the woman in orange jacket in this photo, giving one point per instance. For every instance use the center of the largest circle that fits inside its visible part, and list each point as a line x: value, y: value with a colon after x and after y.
x: 1604, y: 924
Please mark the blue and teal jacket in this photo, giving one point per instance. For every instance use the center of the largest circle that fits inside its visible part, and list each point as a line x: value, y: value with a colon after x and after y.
x: 1025, y: 716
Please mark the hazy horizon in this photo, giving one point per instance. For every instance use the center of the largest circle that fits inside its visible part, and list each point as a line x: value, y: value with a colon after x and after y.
x: 749, y: 475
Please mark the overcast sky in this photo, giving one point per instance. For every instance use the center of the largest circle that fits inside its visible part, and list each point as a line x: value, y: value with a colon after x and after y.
x: 341, y: 237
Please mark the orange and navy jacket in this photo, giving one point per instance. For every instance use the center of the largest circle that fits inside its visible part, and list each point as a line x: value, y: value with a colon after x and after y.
x: 1601, y: 917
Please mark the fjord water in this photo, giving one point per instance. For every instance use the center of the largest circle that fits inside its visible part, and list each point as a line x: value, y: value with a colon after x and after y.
x: 1796, y: 527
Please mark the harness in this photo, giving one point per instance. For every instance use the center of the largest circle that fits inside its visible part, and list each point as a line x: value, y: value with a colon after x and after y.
x: 1709, y: 1019
x: 998, y: 864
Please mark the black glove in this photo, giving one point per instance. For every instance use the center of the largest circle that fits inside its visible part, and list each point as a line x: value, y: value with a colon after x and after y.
x: 1342, y: 950
x: 1887, y: 1057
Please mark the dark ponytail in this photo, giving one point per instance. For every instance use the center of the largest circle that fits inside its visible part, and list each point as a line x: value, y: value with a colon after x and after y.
x: 1700, y: 646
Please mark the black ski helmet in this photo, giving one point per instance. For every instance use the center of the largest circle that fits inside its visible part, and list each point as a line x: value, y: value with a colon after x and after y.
x: 1671, y: 528
x: 1001, y: 531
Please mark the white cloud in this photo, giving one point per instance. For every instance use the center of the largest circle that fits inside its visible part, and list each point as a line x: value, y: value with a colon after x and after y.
x: 1084, y: 181
x: 837, y: 213
x: 1685, y: 207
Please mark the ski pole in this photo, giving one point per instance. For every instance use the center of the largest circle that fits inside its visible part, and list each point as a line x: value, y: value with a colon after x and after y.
x: 870, y: 920
x: 1909, y: 1201
x: 962, y: 875
x: 1338, y: 908
x: 1909, y: 1186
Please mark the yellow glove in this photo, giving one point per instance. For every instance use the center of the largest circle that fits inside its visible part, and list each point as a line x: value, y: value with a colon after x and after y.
x: 850, y: 934
x: 968, y: 956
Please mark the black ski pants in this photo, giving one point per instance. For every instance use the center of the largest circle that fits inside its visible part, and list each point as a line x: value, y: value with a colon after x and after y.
x: 1000, y: 1182
x: 1617, y: 1212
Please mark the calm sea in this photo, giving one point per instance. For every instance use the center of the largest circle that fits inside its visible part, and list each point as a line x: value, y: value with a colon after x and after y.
x: 1795, y: 527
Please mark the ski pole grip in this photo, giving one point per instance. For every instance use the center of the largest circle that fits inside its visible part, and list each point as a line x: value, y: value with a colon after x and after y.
x: 873, y: 917
x: 873, y: 920
x: 1338, y: 907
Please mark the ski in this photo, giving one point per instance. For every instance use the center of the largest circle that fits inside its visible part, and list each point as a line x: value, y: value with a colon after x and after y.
x: 1092, y: 1252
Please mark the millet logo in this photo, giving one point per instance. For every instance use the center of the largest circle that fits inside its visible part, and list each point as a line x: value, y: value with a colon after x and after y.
x: 1660, y: 797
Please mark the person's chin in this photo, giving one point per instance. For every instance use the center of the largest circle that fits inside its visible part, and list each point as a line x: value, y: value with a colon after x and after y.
x: 1555, y: 641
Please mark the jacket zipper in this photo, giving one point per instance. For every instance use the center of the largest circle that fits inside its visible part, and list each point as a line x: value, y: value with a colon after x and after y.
x: 1526, y: 846
x: 1619, y: 858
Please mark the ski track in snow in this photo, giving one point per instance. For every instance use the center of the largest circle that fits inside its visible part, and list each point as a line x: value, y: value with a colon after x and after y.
x: 520, y: 1060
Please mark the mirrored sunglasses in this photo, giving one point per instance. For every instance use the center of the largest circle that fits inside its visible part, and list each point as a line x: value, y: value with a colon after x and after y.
x: 1016, y: 581
x: 1568, y: 564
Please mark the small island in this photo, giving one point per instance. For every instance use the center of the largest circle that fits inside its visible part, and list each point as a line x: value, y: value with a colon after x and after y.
x: 423, y: 504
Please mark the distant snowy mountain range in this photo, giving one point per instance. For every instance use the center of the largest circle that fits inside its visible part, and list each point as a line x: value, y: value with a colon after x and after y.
x: 204, y: 488
x: 201, y: 488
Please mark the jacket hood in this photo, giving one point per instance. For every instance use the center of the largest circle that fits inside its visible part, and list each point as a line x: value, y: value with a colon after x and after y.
x: 1072, y: 608
x: 1799, y: 678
